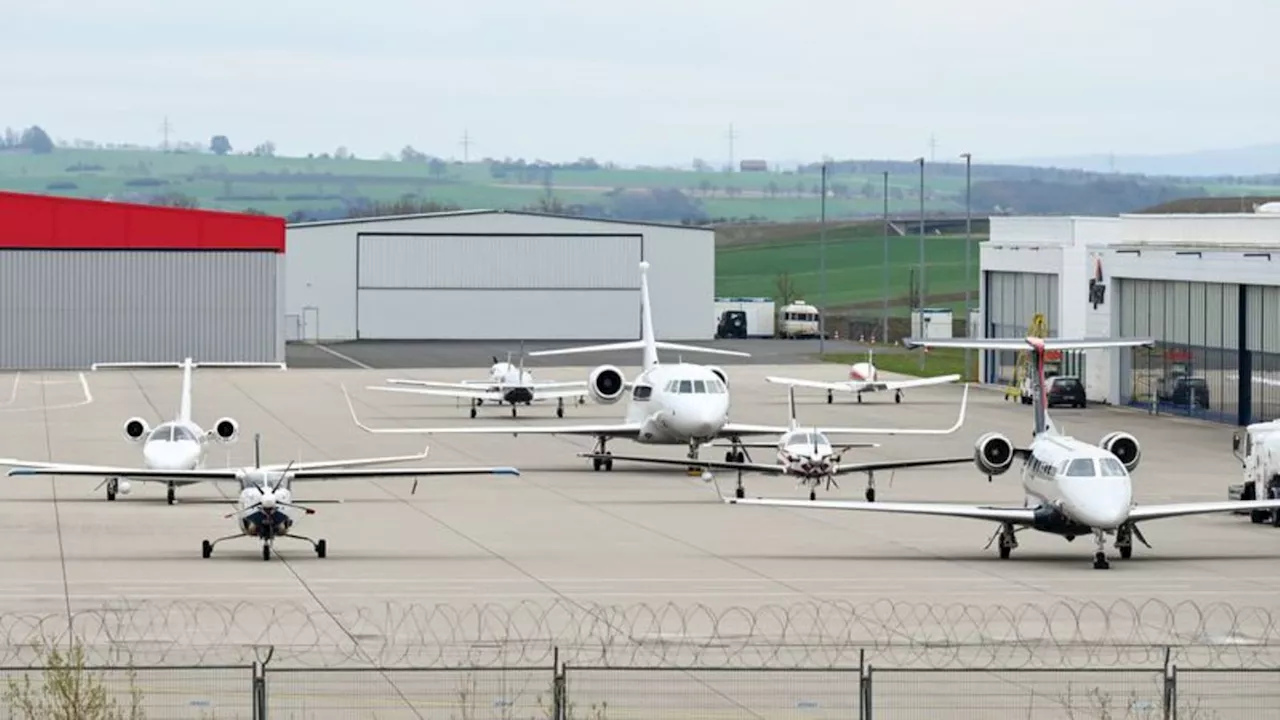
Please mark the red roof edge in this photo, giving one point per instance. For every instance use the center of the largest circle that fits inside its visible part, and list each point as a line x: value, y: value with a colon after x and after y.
x: 49, y: 222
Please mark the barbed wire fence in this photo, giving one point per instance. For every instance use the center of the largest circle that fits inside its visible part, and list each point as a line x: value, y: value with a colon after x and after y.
x: 799, y: 635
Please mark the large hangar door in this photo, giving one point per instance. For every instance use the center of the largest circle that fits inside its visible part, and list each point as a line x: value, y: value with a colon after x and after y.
x: 1013, y: 299
x: 420, y: 286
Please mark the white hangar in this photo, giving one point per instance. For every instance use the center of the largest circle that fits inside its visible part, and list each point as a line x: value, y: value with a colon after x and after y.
x: 495, y: 275
x: 1206, y: 287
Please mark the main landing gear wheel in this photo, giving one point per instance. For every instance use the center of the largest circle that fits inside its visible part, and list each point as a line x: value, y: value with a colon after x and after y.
x: 871, y: 494
x: 829, y: 397
x: 473, y: 412
x: 322, y: 548
x: 170, y: 496
x: 813, y: 495
x: 897, y: 397
x: 113, y: 486
x: 513, y: 411
x: 859, y: 398
x: 206, y: 549
x: 605, y: 464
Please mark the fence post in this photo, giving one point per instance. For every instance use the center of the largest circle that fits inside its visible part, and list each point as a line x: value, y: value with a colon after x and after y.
x: 862, y: 669
x: 259, y: 691
x: 1171, y: 692
x: 865, y: 705
x: 557, y: 686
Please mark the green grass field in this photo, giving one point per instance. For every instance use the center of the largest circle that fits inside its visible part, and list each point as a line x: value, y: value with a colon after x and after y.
x: 855, y: 263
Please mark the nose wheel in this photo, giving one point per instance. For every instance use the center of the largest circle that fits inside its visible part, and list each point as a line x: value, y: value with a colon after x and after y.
x: 1100, y: 556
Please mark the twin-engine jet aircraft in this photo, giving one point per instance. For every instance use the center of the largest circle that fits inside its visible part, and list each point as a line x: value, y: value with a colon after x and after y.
x: 864, y: 378
x: 175, y: 445
x: 808, y: 455
x: 507, y: 383
x: 679, y: 404
x: 1072, y: 488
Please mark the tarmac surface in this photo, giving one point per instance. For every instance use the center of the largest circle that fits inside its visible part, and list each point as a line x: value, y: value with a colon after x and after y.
x: 537, y: 556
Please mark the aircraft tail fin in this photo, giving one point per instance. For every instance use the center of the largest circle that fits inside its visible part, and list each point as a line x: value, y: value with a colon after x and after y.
x: 791, y: 404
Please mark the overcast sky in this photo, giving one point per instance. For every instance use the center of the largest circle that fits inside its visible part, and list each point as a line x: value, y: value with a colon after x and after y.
x: 652, y: 80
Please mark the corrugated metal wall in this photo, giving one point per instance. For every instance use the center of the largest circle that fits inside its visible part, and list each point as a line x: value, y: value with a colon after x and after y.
x: 1012, y: 301
x: 469, y: 287
x: 70, y: 309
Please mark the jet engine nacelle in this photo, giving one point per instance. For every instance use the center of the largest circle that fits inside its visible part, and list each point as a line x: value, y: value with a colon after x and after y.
x: 135, y: 429
x: 1124, y: 446
x: 123, y: 487
x: 720, y: 374
x: 226, y: 429
x: 993, y: 454
x: 606, y: 384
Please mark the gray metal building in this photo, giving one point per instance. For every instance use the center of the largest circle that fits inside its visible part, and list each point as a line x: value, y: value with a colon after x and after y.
x: 85, y: 281
x: 496, y: 275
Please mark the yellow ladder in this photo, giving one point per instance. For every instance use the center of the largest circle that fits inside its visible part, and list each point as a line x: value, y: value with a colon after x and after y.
x: 1039, y: 327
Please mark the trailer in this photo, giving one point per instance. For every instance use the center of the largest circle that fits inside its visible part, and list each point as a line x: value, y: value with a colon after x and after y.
x: 799, y: 320
x: 747, y: 317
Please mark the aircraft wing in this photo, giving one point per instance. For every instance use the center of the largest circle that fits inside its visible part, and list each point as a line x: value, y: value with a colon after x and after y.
x: 344, y: 474
x: 705, y: 464
x: 855, y: 386
x: 464, y: 385
x: 900, y: 464
x: 142, y: 474
x: 623, y: 430
x: 1159, y: 512
x: 460, y: 391
x: 576, y: 384
x: 354, y: 462
x: 1021, y: 516
x: 734, y: 429
x: 1020, y: 343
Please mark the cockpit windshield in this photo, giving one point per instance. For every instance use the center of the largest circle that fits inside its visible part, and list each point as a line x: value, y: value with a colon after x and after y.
x: 1111, y: 467
x: 699, y: 387
x: 183, y: 433
x: 163, y: 433
x: 1080, y: 467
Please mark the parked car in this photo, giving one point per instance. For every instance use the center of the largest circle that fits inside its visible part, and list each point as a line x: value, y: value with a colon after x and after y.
x: 1185, y: 392
x: 1066, y: 390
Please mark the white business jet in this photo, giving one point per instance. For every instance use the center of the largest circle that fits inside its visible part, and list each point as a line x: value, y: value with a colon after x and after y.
x: 864, y: 378
x: 808, y: 455
x: 1072, y: 488
x: 266, y: 510
x: 179, y: 444
x: 678, y: 404
x: 507, y: 383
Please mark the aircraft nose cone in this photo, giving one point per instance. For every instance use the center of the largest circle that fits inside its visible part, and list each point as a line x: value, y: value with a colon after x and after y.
x: 269, y: 501
x: 697, y: 421
x: 1102, y: 508
x: 169, y: 456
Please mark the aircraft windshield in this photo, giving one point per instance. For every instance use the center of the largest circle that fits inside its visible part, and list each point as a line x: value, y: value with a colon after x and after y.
x: 182, y: 433
x: 1080, y: 467
x: 1111, y: 467
x: 698, y: 387
x: 164, y: 432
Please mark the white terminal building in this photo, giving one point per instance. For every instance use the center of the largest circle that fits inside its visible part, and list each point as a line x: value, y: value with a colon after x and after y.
x: 495, y: 275
x: 1206, y: 287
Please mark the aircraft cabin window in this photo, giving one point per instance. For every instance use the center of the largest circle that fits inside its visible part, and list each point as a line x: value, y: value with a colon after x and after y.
x: 181, y: 433
x: 164, y: 432
x: 641, y: 392
x: 699, y: 386
x: 1111, y: 467
x: 1081, y: 467
x: 686, y: 386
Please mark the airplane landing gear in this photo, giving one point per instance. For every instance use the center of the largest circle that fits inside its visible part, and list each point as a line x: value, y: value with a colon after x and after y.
x: 266, y: 551
x: 604, y: 463
x: 871, y: 487
x: 1100, y: 556
x: 113, y: 486
x: 829, y: 399
x: 897, y: 396
x: 474, y: 404
x: 560, y: 407
x: 859, y: 398
x: 1124, y: 542
x: 170, y: 495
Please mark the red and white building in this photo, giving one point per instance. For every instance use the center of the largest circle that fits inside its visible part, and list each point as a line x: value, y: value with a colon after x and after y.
x: 85, y: 281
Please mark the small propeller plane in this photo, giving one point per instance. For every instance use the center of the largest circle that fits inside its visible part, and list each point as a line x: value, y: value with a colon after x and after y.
x: 864, y: 378
x: 1071, y: 488
x: 806, y: 453
x: 178, y: 445
x: 507, y: 383
x: 266, y: 509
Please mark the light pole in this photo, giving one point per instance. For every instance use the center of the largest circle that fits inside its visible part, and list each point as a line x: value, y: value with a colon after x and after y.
x: 920, y: 274
x: 968, y: 250
x: 884, y: 277
x: 822, y: 266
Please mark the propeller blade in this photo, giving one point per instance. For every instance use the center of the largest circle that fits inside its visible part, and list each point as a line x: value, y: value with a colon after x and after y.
x: 414, y: 489
x: 257, y: 450
x: 283, y: 475
x: 306, y: 510
x: 254, y: 506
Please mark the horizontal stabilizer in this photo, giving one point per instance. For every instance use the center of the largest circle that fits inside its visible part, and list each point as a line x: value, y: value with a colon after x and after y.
x: 1029, y: 342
